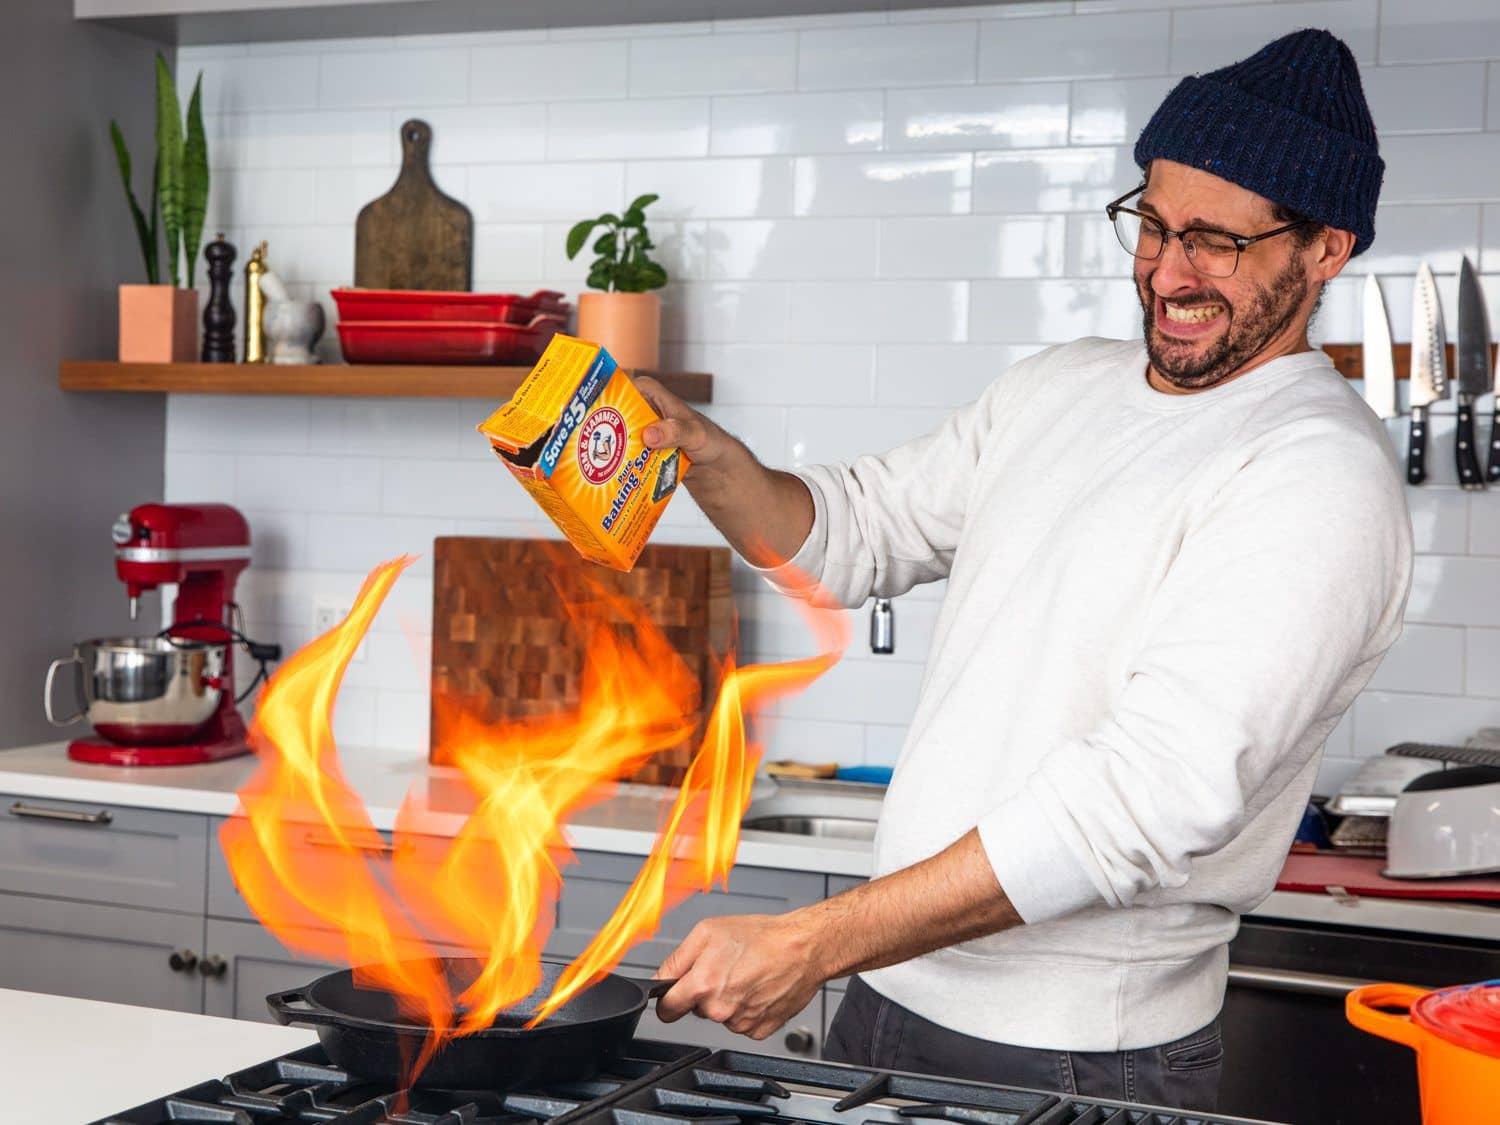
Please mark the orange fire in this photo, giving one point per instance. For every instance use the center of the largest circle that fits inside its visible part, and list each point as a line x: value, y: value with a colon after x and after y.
x: 302, y: 853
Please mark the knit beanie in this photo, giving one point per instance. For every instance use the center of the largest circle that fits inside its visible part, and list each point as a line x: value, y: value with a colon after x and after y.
x: 1289, y: 123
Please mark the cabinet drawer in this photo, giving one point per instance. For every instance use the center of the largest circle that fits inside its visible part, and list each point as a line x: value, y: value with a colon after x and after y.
x: 96, y: 952
x: 838, y: 884
x: 103, y: 853
x: 225, y: 900
x: 594, y: 886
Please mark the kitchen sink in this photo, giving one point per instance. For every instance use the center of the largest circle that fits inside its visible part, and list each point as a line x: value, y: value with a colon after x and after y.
x: 836, y: 810
x: 838, y: 827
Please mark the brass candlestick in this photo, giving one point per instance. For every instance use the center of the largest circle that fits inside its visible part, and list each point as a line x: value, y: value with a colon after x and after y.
x: 255, y: 307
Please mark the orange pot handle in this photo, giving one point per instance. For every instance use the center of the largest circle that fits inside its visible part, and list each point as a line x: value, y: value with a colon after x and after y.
x: 1362, y: 1006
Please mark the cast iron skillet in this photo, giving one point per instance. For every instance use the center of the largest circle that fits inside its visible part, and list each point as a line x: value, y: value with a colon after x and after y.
x: 364, y: 1031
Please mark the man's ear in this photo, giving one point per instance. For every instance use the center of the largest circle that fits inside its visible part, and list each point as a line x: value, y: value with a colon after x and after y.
x: 1333, y: 249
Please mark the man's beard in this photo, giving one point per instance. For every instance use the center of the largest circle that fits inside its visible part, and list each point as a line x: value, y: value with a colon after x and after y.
x: 1261, y: 320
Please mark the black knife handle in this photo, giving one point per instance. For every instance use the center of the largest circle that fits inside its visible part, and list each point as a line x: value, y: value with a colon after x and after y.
x: 1416, y: 448
x: 1463, y: 446
x: 1494, y: 467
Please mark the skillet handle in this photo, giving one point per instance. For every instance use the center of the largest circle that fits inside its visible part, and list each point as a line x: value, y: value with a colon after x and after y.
x: 656, y: 989
x: 281, y: 1003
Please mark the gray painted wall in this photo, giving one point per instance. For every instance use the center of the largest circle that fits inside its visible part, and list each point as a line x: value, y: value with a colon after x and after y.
x: 69, y: 463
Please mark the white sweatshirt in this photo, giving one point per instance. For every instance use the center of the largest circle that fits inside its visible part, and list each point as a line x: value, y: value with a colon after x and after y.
x: 1158, y: 606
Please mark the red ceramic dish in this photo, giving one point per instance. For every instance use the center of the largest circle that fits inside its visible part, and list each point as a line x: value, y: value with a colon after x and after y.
x: 445, y: 341
x: 427, y: 304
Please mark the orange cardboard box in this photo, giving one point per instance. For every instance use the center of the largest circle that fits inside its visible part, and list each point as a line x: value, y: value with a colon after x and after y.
x: 572, y: 437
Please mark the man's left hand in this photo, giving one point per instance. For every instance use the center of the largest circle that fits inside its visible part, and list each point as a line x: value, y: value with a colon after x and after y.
x: 751, y: 972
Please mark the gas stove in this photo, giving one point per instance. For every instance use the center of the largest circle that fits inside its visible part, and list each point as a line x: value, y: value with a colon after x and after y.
x: 650, y: 1083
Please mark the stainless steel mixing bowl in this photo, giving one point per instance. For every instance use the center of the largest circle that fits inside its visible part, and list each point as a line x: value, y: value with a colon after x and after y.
x: 142, y: 691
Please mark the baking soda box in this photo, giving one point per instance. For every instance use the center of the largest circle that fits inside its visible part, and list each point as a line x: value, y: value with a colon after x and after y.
x: 572, y: 437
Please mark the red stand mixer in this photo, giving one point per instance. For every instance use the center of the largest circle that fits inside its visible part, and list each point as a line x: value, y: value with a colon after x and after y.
x: 168, y: 699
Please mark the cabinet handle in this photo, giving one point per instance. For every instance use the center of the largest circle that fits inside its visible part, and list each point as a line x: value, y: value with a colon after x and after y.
x: 182, y: 960
x: 1289, y: 980
x: 315, y: 839
x: 103, y: 816
x: 213, y: 966
x: 799, y: 1041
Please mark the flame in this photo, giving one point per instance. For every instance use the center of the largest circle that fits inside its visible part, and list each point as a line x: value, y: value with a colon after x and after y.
x: 302, y: 853
x: 696, y: 845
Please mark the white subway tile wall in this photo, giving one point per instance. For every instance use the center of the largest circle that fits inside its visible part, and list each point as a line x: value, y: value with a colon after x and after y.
x: 868, y: 217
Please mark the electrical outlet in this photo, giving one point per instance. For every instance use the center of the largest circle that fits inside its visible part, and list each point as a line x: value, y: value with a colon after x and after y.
x: 328, y: 613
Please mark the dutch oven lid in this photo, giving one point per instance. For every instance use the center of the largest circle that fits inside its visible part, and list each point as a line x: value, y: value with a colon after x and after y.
x: 1466, y: 1016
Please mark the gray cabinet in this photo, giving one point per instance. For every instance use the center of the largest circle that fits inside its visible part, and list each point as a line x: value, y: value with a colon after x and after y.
x: 256, y: 964
x: 593, y: 887
x: 102, y: 853
x: 100, y: 952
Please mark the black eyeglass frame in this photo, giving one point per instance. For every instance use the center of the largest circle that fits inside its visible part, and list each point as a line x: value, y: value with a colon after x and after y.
x: 1241, y: 241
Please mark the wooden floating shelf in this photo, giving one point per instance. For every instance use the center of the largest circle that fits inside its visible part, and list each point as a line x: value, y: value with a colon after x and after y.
x: 354, y: 380
x: 1349, y: 359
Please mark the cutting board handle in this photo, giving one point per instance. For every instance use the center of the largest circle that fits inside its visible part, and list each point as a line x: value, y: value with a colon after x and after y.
x: 416, y: 148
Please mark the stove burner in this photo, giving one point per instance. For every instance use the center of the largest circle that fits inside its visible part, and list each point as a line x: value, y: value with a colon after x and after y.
x: 653, y: 1083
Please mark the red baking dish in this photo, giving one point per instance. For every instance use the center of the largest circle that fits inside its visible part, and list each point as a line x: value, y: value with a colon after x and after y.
x: 445, y: 341
x: 429, y: 304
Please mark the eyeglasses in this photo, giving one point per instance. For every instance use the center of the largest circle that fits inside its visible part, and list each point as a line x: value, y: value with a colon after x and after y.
x: 1213, y: 253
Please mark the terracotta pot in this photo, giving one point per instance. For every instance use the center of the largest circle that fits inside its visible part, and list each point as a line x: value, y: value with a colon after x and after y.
x: 158, y: 324
x: 627, y: 325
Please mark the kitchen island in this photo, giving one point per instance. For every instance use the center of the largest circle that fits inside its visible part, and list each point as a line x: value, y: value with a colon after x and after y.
x: 69, y: 1060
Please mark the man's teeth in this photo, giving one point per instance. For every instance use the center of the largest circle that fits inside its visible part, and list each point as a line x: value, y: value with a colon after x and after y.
x: 1193, y: 314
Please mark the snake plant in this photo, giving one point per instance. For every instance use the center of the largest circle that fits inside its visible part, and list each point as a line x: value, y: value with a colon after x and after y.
x: 179, y: 180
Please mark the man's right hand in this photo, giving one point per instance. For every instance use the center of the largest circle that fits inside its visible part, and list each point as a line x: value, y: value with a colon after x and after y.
x: 765, y: 514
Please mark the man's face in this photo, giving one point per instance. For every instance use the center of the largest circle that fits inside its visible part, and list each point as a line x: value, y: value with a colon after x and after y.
x: 1201, y: 330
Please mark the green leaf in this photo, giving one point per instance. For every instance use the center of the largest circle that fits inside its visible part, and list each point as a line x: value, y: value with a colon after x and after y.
x: 194, y: 180
x: 169, y: 163
x: 641, y: 202
x: 579, y: 235
x: 601, y: 275
x: 634, y: 218
x: 144, y: 235
x: 609, y: 219
x: 651, y: 276
x: 604, y: 245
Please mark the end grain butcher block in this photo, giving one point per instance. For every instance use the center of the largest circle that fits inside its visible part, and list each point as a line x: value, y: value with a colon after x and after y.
x: 503, y: 648
x: 414, y: 236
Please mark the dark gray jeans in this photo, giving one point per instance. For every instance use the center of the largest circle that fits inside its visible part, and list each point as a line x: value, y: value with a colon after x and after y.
x: 871, y: 1031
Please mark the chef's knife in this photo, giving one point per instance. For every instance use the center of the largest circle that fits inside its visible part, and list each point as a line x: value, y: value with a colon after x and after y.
x: 1429, y: 368
x: 1379, y: 364
x: 1475, y: 377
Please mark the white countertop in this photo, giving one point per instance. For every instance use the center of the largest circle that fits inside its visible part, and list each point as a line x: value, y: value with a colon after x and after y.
x: 73, y: 1061
x: 624, y: 824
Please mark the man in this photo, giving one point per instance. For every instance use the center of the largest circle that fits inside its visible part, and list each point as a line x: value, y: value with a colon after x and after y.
x: 1171, y: 564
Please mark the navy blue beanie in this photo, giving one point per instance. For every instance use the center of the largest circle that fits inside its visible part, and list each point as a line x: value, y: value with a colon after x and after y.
x: 1289, y: 123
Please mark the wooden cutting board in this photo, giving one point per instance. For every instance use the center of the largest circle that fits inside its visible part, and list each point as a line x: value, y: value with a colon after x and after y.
x: 502, y: 648
x: 414, y: 236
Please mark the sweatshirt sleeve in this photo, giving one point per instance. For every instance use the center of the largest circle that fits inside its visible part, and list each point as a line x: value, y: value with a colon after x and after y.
x: 883, y: 524
x: 1282, y: 598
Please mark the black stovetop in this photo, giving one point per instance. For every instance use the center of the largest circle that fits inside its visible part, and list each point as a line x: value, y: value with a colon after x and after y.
x: 651, y: 1083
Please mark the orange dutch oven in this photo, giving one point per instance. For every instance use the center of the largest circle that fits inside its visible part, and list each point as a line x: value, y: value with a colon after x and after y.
x: 1456, y: 1035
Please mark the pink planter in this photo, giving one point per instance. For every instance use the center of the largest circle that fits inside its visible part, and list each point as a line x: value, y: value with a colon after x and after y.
x: 627, y: 325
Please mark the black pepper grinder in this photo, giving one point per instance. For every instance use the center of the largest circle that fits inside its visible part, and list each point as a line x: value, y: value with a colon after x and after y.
x: 218, y: 315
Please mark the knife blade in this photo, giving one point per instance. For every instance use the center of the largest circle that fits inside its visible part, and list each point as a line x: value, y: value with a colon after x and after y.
x: 1475, y: 376
x: 1429, y: 368
x: 1379, y: 364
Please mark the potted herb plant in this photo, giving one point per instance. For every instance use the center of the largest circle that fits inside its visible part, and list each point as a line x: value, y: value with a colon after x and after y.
x: 624, y: 317
x: 159, y: 322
